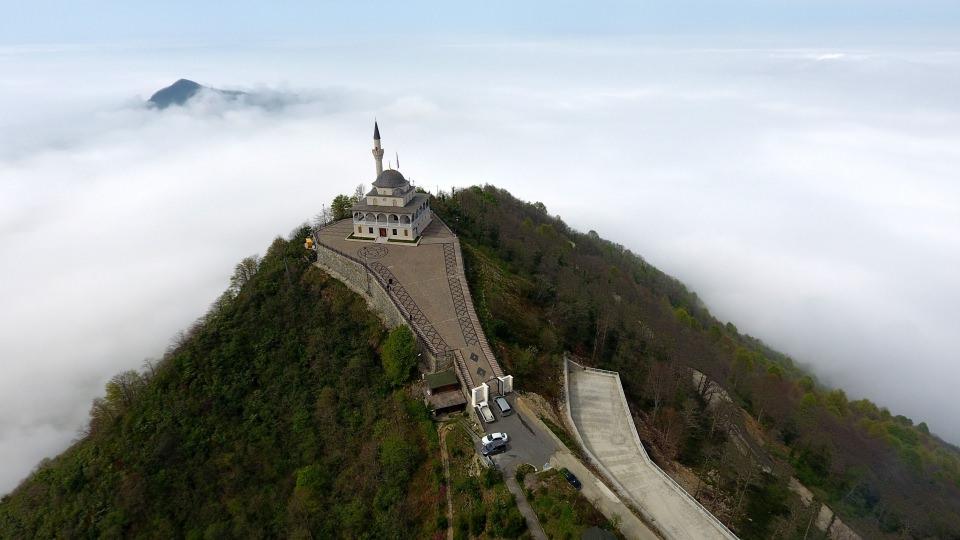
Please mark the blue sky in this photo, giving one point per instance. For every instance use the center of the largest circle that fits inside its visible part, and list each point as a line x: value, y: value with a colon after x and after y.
x: 59, y: 21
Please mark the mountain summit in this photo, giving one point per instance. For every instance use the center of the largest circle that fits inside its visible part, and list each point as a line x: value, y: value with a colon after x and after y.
x: 181, y: 91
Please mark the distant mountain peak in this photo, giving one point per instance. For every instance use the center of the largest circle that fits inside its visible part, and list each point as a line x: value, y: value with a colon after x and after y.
x: 181, y: 91
x: 185, y: 84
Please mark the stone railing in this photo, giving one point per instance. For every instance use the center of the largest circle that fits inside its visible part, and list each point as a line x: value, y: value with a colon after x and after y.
x: 462, y: 369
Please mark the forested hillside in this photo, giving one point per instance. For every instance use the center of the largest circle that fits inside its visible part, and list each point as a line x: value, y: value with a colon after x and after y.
x: 542, y: 288
x: 272, y: 417
x: 284, y: 412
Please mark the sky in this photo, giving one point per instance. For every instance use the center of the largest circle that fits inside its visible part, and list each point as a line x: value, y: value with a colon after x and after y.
x: 794, y: 163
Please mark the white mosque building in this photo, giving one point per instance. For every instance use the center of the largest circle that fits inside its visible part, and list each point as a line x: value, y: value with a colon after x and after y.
x: 393, y: 210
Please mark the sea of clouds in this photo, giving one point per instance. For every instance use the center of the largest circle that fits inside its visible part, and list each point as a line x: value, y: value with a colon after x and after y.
x: 808, y: 195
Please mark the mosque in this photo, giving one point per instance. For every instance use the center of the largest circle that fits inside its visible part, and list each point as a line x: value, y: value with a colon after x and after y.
x: 418, y: 281
x: 392, y: 210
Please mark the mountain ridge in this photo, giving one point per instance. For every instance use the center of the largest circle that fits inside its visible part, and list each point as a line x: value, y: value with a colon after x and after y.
x: 540, y: 289
x: 274, y: 405
x: 182, y: 91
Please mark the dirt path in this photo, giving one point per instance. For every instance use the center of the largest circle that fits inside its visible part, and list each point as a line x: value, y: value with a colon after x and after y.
x: 446, y: 474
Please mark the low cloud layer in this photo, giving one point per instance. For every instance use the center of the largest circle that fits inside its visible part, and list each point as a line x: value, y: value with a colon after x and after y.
x: 807, y: 195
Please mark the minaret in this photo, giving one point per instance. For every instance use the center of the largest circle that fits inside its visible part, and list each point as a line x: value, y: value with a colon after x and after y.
x: 377, y: 151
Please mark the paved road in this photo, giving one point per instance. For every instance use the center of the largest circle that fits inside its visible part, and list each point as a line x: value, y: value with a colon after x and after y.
x: 528, y: 441
x: 604, y: 424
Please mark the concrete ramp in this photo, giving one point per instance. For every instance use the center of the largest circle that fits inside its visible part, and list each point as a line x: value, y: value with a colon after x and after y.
x: 602, y: 423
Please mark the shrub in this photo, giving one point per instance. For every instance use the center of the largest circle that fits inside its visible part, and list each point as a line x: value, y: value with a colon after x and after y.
x: 522, y: 472
x: 491, y: 477
x: 478, y: 520
x: 399, y: 355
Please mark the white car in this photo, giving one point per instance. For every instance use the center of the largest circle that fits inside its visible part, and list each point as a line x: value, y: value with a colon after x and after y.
x: 485, y: 413
x: 494, y: 437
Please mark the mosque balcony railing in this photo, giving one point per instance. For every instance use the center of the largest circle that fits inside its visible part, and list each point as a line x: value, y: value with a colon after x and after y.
x: 399, y: 224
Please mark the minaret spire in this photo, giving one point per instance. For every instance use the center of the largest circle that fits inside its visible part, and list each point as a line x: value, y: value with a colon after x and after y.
x: 377, y: 150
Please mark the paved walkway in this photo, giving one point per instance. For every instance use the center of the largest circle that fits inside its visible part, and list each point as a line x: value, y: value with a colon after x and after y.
x: 602, y: 421
x: 427, y: 281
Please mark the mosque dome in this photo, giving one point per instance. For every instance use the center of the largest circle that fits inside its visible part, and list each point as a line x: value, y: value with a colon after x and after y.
x: 390, y: 178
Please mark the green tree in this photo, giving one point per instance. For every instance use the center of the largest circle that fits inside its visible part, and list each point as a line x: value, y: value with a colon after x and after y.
x: 243, y: 273
x: 399, y: 457
x: 744, y: 359
x: 836, y: 402
x: 123, y: 389
x: 341, y: 207
x: 399, y: 355
x: 257, y: 401
x: 684, y: 317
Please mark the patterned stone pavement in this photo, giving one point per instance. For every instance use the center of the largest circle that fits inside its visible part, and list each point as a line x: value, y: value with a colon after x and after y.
x: 409, y: 305
x: 425, y: 281
x: 456, y: 293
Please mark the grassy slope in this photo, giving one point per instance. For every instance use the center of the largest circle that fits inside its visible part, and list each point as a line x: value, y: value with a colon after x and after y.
x: 564, y: 513
x: 541, y: 288
x: 482, y: 506
x: 271, y: 418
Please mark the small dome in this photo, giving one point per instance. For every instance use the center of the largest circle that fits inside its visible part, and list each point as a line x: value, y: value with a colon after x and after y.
x: 390, y: 179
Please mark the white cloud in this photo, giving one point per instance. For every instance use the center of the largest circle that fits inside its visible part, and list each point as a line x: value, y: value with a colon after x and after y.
x: 813, y: 203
